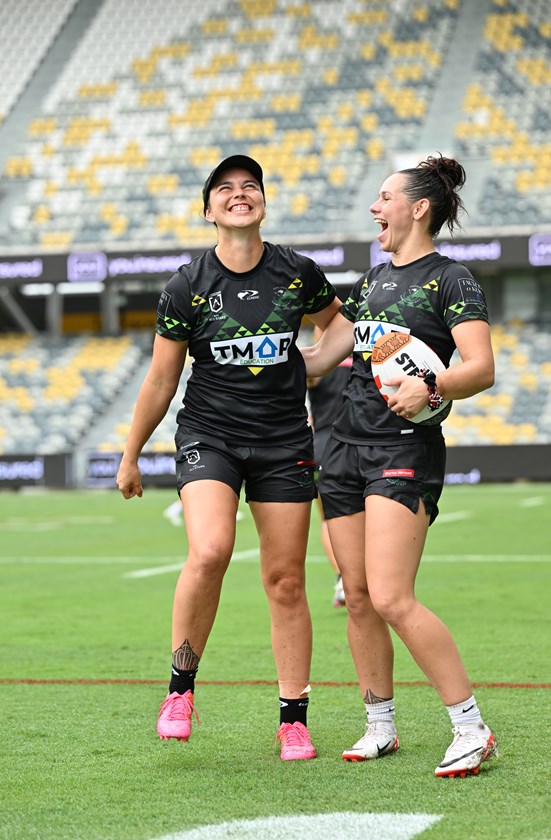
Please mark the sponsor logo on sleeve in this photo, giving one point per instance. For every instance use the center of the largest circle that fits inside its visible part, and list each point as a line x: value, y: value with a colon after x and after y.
x: 470, y: 290
x: 164, y: 301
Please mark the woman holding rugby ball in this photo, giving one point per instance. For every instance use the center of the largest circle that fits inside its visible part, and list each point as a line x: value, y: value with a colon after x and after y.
x: 382, y: 473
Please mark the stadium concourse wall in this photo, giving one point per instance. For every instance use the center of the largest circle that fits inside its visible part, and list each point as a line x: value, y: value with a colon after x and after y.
x: 116, y: 290
x: 35, y: 294
x: 465, y: 465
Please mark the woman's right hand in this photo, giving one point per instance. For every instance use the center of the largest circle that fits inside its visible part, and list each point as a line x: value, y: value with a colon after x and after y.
x: 129, y: 479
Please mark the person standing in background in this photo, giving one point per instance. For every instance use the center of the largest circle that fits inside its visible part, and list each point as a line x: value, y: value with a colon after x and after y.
x: 325, y: 399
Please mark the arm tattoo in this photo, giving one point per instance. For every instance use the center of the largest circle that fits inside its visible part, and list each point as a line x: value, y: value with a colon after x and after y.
x: 372, y: 698
x: 184, y: 658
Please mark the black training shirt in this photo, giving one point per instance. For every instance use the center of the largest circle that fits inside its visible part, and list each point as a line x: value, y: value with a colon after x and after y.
x: 426, y: 298
x: 247, y: 383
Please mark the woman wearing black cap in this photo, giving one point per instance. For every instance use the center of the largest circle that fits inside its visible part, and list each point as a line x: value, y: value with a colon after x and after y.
x: 238, y: 309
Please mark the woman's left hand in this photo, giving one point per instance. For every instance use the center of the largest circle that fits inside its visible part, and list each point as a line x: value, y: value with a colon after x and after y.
x: 410, y: 398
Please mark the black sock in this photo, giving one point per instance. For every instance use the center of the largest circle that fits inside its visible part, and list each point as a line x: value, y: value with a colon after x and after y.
x: 182, y: 681
x: 291, y: 711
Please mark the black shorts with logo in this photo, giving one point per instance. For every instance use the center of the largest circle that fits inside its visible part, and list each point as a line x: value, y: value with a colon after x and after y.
x: 403, y: 472
x: 283, y: 473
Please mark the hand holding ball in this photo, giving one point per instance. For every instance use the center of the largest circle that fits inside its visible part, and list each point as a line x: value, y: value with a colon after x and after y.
x: 398, y: 354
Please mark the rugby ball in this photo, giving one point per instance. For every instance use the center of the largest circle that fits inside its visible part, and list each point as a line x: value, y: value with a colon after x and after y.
x: 397, y: 353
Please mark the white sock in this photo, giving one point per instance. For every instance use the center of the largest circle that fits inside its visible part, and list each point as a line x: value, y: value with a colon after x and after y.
x: 380, y: 712
x: 466, y: 713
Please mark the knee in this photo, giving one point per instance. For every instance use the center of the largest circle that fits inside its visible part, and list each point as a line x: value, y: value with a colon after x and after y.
x: 357, y: 601
x: 209, y: 561
x: 285, y: 589
x: 391, y: 607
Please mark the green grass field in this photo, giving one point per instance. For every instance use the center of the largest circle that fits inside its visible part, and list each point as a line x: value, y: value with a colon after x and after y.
x: 85, y: 658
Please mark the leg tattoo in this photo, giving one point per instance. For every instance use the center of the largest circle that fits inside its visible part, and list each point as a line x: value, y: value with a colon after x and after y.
x: 372, y: 698
x: 184, y: 657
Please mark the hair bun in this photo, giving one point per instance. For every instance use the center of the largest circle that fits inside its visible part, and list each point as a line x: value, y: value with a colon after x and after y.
x: 449, y: 169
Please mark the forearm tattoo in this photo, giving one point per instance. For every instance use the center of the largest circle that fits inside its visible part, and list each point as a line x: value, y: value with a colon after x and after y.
x: 184, y: 657
x: 370, y: 697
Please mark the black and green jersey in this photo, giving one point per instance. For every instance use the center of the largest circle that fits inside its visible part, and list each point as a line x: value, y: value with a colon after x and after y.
x: 426, y: 298
x: 247, y: 383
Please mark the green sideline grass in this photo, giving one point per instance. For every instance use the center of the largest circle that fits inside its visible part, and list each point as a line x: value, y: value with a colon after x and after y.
x: 82, y: 759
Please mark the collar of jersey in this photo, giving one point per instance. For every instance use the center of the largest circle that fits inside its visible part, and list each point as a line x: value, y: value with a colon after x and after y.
x: 243, y: 275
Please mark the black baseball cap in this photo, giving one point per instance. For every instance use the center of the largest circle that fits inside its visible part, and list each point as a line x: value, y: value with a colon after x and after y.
x: 233, y: 162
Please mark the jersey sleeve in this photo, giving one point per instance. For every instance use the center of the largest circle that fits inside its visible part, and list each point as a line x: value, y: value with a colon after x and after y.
x: 462, y: 297
x: 319, y: 292
x: 174, y: 311
x: 350, y: 307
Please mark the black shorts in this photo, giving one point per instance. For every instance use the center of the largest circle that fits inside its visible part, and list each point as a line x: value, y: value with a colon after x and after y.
x: 403, y: 472
x: 283, y: 473
x: 320, y: 442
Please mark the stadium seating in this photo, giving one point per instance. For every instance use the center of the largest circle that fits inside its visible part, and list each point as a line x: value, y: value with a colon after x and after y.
x: 146, y: 104
x: 145, y: 107
x: 162, y: 439
x: 518, y: 408
x: 506, y: 115
x: 24, y: 44
x: 52, y: 392
x: 321, y: 93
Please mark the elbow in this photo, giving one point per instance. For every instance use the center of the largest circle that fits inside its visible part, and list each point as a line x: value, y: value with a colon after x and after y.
x: 483, y: 376
x: 327, y: 369
x: 313, y: 365
x: 483, y: 381
x: 316, y: 369
x: 489, y: 378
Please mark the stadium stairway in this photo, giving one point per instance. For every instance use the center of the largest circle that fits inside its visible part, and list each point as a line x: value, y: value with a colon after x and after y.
x: 13, y: 131
x: 120, y: 408
x: 438, y: 129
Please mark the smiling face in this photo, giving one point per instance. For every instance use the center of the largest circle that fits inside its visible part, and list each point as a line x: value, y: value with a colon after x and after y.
x: 401, y: 220
x: 235, y: 200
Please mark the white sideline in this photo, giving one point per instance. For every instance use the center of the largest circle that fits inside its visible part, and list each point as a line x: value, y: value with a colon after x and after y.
x: 349, y: 824
x: 532, y: 501
x: 253, y: 556
x: 250, y: 556
x: 457, y: 516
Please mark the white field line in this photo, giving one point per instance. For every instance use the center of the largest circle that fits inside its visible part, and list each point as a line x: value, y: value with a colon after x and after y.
x: 444, y: 518
x: 350, y: 824
x: 533, y: 501
x: 78, y: 560
x: 504, y: 488
x: 173, y: 564
x: 246, y: 556
x: 21, y: 523
x: 486, y: 558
